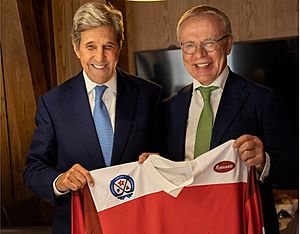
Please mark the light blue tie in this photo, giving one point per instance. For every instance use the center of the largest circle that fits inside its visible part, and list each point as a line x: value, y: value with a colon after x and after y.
x: 103, y: 125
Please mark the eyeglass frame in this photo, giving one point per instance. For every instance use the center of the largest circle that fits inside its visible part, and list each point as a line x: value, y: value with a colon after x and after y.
x: 202, y: 44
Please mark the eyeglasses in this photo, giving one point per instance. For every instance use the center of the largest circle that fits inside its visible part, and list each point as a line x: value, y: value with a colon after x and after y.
x: 208, y: 45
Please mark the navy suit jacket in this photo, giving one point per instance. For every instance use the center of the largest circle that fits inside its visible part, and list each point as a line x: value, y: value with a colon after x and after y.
x: 65, y: 135
x: 245, y: 108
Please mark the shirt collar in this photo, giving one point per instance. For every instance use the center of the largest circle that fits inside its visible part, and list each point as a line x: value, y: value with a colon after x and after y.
x: 90, y: 85
x: 154, y: 163
x: 219, y: 82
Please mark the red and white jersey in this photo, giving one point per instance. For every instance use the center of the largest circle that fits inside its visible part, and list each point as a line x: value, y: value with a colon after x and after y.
x: 215, y: 193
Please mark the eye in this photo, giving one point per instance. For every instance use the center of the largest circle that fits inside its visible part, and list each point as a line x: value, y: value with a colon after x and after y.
x: 109, y: 47
x: 90, y: 47
x: 189, y: 45
x: 209, y: 44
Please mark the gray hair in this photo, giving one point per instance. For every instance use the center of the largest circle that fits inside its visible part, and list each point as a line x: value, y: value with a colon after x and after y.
x: 94, y: 14
x: 203, y: 10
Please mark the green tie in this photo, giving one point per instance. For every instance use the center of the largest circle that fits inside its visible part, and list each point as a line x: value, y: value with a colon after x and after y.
x: 204, y: 129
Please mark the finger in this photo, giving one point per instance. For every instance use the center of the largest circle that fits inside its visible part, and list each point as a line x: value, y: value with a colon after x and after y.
x: 256, y: 162
x: 72, y: 183
x: 241, y: 140
x: 64, y: 183
x: 83, y: 175
x: 249, y: 162
x: 75, y: 177
x: 88, y: 177
x: 247, y: 146
x: 60, y: 183
x: 254, y: 158
x: 246, y: 155
x: 71, y: 180
x: 143, y: 157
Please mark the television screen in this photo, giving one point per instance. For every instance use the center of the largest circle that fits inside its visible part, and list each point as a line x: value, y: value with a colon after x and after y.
x: 273, y: 63
x: 164, y: 67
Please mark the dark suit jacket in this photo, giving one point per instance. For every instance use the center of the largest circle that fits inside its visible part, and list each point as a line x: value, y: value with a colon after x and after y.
x: 65, y: 135
x: 245, y: 108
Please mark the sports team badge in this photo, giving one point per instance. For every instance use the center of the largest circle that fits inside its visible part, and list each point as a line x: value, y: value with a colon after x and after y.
x: 122, y: 186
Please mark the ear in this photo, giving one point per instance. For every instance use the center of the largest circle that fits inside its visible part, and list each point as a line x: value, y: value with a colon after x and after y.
x: 76, y: 50
x: 229, y: 44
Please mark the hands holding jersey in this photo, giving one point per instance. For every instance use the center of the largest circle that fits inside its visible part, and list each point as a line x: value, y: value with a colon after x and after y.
x: 251, y: 151
x: 250, y: 148
x: 74, y: 179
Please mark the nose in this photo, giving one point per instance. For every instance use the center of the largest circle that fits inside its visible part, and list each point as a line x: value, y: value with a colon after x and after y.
x: 200, y: 51
x: 100, y: 53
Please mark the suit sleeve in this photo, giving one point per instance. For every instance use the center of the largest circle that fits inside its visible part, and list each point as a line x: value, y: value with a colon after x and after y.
x: 40, y: 171
x: 280, y: 142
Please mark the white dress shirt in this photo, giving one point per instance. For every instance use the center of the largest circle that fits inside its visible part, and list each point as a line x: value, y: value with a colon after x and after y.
x: 196, y: 108
x: 195, y: 111
x: 109, y: 97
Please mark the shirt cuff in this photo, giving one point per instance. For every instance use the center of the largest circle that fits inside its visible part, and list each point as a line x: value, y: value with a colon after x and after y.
x: 56, y: 192
x: 266, y: 169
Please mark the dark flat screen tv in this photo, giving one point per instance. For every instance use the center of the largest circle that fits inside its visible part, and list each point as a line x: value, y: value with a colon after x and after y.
x: 273, y: 63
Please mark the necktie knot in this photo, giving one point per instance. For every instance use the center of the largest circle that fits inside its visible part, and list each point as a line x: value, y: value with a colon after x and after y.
x: 99, y: 91
x: 205, y: 91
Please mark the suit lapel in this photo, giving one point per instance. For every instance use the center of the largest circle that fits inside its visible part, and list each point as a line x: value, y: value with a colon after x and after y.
x: 127, y: 94
x: 180, y: 111
x: 79, y: 112
x: 233, y: 97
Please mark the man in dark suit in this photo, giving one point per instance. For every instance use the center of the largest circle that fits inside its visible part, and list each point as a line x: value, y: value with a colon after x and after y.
x: 65, y: 144
x: 241, y: 109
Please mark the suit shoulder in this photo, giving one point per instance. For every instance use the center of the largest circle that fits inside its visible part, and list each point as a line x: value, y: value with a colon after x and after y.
x: 147, y: 83
x: 184, y: 92
x: 252, y: 86
x: 257, y: 93
x: 59, y: 90
x: 139, y: 81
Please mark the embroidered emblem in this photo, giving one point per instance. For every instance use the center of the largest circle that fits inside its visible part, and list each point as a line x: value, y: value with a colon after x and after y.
x: 122, y: 186
x: 224, y: 166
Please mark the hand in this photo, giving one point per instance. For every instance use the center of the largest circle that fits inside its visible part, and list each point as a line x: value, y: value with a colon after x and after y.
x: 144, y: 156
x: 251, y: 151
x: 75, y: 178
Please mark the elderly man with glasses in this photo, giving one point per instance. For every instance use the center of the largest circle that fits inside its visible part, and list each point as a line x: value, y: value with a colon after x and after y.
x: 234, y: 108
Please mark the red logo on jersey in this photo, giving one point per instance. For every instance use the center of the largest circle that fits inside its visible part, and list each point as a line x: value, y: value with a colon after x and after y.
x: 224, y: 166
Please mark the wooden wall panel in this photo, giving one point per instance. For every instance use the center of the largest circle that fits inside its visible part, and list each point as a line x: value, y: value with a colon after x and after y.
x: 153, y: 25
x: 31, y: 41
x: 43, y: 20
x: 67, y: 65
x: 66, y: 62
x: 261, y: 20
x: 18, y: 93
x: 6, y: 176
x: 123, y: 58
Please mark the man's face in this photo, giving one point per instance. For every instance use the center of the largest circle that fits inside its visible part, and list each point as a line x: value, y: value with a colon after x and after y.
x: 205, y: 66
x: 98, y: 52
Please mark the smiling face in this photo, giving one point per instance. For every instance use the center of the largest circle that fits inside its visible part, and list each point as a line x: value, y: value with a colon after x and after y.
x: 205, y: 66
x: 98, y: 52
